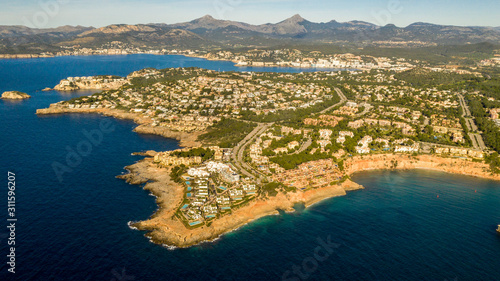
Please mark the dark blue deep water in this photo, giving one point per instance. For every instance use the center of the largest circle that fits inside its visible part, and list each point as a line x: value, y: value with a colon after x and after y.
x: 76, y: 229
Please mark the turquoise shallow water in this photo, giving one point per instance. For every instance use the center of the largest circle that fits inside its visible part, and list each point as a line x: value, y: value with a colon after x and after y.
x: 395, y: 229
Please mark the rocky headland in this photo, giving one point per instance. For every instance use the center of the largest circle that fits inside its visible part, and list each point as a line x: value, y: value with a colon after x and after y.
x: 144, y: 124
x: 91, y: 83
x: 164, y: 228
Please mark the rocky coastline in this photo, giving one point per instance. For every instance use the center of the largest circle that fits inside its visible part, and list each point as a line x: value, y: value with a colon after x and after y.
x: 36, y: 56
x: 163, y: 228
x: 458, y: 166
x: 24, y: 56
x: 99, y: 83
x: 144, y: 124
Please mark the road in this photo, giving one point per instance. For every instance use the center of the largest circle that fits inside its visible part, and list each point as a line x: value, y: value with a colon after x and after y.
x: 308, y: 142
x: 239, y: 149
x: 474, y: 141
x: 304, y: 146
x: 472, y: 126
x: 342, y: 100
x: 480, y: 142
x: 476, y: 138
x: 464, y: 105
x: 237, y: 153
x: 367, y: 107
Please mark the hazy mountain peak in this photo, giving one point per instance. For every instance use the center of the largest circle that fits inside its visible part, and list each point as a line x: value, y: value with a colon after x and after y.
x: 208, y: 30
x: 293, y: 25
x: 421, y: 24
x: 206, y: 18
x: 295, y: 19
x: 390, y: 25
x: 358, y: 22
x: 118, y: 29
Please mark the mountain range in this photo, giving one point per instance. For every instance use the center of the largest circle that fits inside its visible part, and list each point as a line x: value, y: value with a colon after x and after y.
x: 208, y: 32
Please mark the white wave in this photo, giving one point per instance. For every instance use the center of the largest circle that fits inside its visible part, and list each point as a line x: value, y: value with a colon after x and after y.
x: 130, y: 225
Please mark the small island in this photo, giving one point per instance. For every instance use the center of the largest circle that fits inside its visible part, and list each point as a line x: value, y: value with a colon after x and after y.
x: 15, y: 95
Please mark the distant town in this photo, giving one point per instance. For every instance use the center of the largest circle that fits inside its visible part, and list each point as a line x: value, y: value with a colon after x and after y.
x: 288, y: 57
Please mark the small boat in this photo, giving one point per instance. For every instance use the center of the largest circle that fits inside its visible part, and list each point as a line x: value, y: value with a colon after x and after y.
x: 498, y: 229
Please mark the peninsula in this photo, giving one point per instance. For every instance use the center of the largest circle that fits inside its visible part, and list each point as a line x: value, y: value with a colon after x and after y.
x: 256, y: 143
x: 90, y: 83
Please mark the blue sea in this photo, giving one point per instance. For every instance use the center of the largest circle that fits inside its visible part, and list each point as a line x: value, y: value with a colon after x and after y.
x: 405, y: 225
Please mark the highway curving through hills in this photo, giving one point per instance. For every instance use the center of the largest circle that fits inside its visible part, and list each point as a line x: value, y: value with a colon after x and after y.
x: 238, y: 151
x: 342, y: 100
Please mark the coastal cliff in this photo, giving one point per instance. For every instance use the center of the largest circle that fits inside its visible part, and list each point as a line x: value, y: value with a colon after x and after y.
x: 116, y: 113
x: 429, y: 162
x: 185, y: 139
x: 15, y: 95
x: 165, y: 228
x: 24, y: 56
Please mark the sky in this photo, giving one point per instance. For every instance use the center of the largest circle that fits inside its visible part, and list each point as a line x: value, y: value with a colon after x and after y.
x: 98, y: 13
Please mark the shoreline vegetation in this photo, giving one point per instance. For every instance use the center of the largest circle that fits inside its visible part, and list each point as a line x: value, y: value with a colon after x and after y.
x: 164, y: 228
